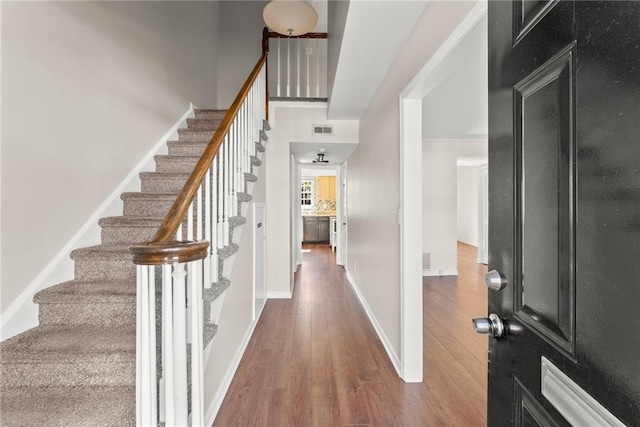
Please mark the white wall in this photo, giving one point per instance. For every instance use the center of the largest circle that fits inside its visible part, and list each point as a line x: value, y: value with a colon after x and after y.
x: 468, y: 177
x: 309, y: 171
x: 291, y: 122
x: 459, y: 106
x: 440, y: 200
x: 374, y: 174
x: 87, y: 89
x: 240, y: 48
x: 236, y: 321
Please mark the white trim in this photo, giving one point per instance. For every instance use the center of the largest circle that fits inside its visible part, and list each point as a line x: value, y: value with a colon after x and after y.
x: 216, y: 402
x: 434, y: 273
x: 22, y: 313
x: 410, y: 219
x: 395, y: 360
x: 428, y: 78
x: 289, y: 104
x: 279, y: 295
x: 575, y: 404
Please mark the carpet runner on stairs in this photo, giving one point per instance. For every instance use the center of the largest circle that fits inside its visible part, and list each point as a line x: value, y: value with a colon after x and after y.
x: 77, y: 367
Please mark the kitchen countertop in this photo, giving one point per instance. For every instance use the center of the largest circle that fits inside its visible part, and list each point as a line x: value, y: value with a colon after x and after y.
x: 319, y: 214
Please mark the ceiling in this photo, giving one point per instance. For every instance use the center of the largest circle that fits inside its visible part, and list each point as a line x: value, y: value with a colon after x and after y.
x: 365, y: 37
x: 335, y: 152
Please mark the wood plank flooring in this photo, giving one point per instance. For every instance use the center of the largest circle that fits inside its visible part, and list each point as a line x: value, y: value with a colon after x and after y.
x: 315, y: 360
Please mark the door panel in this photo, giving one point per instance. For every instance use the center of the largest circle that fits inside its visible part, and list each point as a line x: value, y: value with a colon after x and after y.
x: 564, y: 205
x: 545, y: 154
x: 528, y: 411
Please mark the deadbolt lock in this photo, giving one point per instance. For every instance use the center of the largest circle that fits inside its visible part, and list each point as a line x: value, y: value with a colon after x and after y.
x: 495, y: 281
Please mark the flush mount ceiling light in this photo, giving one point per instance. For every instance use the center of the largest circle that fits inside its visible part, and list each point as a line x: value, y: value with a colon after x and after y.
x: 290, y: 17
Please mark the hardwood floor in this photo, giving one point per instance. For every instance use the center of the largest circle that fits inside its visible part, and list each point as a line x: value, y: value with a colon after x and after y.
x: 315, y: 360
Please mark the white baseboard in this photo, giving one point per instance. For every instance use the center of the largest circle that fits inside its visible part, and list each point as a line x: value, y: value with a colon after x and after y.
x: 22, y: 313
x: 216, y: 402
x: 429, y: 273
x: 395, y: 360
x: 279, y: 295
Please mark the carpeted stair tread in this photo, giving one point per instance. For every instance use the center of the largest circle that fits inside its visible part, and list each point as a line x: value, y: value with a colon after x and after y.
x: 180, y: 164
x: 209, y: 114
x: 97, y: 303
x: 195, y: 135
x: 187, y: 148
x: 103, y: 262
x: 76, y: 355
x: 130, y: 221
x: 250, y: 177
x: 216, y: 290
x: 69, y: 344
x: 68, y: 407
x: 148, y: 196
x: 203, y: 124
x: 227, y: 251
x: 260, y: 147
x: 235, y: 221
x: 263, y: 136
x: 88, y: 292
x: 163, y: 182
x: 244, y: 197
x: 255, y: 161
x: 102, y: 252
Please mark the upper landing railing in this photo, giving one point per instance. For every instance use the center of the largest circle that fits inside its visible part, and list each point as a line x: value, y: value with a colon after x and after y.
x: 297, y: 66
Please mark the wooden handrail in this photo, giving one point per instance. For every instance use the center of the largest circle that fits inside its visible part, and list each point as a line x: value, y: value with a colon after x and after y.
x: 163, y: 238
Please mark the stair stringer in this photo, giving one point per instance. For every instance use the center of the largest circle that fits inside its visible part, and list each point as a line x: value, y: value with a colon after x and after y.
x: 233, y: 310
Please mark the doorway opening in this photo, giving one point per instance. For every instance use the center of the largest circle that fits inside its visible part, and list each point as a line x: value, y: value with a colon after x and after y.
x: 443, y: 113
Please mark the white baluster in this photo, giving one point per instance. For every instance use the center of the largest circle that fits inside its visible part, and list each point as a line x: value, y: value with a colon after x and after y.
x: 317, y: 68
x: 278, y: 76
x: 208, y: 235
x: 190, y: 222
x: 213, y: 248
x: 220, y: 210
x: 298, y: 68
x: 179, y: 349
x: 199, y: 225
x: 308, y: 54
x: 168, y: 375
x: 289, y: 67
x: 197, y: 369
x: 146, y: 387
x: 227, y: 190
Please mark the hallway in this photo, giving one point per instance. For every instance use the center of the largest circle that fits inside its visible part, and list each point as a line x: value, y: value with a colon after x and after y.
x: 316, y: 360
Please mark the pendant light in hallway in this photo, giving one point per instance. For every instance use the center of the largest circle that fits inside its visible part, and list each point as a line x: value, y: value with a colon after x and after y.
x: 290, y: 17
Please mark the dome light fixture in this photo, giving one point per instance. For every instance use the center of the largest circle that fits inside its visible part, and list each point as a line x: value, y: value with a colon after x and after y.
x: 290, y: 17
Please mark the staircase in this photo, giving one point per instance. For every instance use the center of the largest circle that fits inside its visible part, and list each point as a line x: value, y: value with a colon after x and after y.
x: 78, y: 367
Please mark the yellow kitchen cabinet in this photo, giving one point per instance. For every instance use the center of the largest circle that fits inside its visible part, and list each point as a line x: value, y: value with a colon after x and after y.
x: 327, y: 188
x: 332, y: 188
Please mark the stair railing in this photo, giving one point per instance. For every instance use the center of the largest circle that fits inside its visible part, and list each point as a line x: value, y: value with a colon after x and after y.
x: 182, y: 260
x: 298, y: 66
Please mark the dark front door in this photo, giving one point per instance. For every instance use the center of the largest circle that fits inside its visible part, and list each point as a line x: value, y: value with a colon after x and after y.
x: 564, y: 171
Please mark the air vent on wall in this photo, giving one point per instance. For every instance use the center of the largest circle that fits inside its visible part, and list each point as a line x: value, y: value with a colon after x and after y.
x: 322, y: 130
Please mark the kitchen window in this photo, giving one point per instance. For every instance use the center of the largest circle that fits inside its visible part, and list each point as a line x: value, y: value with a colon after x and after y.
x: 306, y: 196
